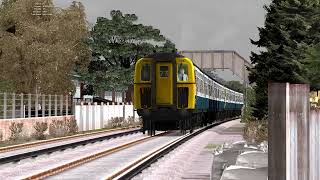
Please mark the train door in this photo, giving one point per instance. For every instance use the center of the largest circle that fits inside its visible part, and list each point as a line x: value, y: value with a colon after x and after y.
x: 164, y: 84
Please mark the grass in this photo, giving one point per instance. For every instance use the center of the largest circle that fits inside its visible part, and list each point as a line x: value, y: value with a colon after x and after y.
x: 211, y: 146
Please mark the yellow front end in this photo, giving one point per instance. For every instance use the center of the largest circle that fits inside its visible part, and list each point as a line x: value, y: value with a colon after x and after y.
x: 165, y: 83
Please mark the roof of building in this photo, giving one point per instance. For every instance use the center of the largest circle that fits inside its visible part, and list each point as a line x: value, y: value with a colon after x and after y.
x: 217, y: 51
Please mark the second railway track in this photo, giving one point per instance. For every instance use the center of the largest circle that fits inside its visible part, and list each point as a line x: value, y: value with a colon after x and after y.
x: 23, y: 151
x: 120, y: 158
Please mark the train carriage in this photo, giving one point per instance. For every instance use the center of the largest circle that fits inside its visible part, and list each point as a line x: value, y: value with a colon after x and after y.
x: 170, y: 92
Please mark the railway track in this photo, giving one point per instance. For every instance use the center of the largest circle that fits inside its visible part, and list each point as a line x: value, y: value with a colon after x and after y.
x: 41, y: 142
x: 136, y: 167
x: 22, y: 151
x: 89, y: 158
x: 128, y: 162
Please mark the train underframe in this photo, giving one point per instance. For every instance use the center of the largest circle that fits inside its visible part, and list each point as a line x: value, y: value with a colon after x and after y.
x: 183, y: 120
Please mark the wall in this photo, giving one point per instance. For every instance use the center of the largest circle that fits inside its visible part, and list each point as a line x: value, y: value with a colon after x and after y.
x: 28, y: 124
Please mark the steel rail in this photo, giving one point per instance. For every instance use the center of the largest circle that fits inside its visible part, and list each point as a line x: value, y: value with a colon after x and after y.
x: 35, y: 153
x: 89, y: 158
x: 138, y: 166
x: 41, y: 142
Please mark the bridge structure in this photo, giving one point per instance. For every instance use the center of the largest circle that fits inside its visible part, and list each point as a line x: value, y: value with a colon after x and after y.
x: 228, y: 64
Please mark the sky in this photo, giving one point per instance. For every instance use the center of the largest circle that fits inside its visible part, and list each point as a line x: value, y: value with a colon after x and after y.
x: 191, y: 24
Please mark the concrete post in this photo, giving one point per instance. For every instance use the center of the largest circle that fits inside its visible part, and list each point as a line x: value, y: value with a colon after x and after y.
x: 4, y: 105
x: 49, y: 106
x: 21, y: 106
x: 67, y: 99
x: 61, y: 105
x: 55, y: 105
x: 43, y: 106
x: 29, y: 105
x: 36, y: 104
x: 13, y: 106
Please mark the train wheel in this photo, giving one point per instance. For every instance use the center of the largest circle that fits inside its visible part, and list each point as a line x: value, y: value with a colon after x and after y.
x: 149, y: 125
x: 182, y: 126
x: 143, y: 129
x: 191, y: 120
x: 153, y: 125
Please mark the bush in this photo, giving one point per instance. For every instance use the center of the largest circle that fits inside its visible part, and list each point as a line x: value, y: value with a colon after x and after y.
x: 71, y: 126
x: 130, y: 120
x: 249, y: 102
x: 16, y: 130
x: 256, y: 131
x: 58, y: 128
x: 116, y: 122
x: 40, y: 128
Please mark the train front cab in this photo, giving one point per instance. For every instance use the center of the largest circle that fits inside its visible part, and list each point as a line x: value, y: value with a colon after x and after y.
x: 161, y: 96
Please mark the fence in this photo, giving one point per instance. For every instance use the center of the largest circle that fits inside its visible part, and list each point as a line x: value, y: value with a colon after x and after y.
x: 34, y: 105
x: 293, y: 133
x: 97, y: 116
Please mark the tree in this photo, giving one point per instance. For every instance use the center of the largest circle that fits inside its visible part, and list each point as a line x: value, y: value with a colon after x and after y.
x: 116, y: 44
x: 289, y: 30
x: 312, y: 64
x: 40, y: 53
x: 236, y: 86
x: 249, y: 101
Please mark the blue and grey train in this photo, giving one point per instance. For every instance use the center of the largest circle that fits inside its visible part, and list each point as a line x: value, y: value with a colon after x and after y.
x: 170, y: 92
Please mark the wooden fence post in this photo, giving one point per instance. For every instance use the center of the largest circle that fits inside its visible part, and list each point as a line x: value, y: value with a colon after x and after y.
x: 314, y: 140
x: 288, y: 116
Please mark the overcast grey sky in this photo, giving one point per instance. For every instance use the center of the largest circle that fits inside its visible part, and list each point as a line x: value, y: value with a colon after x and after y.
x: 191, y: 24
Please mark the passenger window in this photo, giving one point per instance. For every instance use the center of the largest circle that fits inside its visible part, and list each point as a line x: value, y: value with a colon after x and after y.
x: 145, y: 72
x: 182, y: 72
x: 164, y: 71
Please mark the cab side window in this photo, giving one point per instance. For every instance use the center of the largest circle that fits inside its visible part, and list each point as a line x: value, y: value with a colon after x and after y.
x: 145, y: 72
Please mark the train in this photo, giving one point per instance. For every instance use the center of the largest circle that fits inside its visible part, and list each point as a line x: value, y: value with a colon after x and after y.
x: 172, y: 93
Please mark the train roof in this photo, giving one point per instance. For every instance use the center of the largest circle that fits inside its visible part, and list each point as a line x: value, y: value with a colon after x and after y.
x: 205, y: 73
x: 173, y: 55
x: 165, y: 56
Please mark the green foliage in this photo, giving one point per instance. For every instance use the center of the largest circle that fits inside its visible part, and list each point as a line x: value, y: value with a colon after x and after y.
x: 249, y: 102
x: 290, y: 27
x: 236, y: 85
x: 16, y: 130
x: 5, y: 86
x: 312, y: 63
x: 40, y: 128
x: 39, y: 54
x: 116, y: 44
